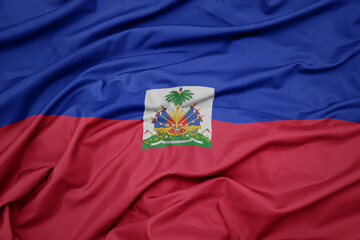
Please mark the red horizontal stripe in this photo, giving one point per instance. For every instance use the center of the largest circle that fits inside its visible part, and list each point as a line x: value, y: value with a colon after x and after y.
x: 88, y: 178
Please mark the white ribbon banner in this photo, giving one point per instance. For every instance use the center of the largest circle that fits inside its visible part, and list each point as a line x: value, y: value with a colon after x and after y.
x: 178, y: 141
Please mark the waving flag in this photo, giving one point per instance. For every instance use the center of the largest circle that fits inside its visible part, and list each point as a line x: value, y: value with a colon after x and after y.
x: 199, y: 119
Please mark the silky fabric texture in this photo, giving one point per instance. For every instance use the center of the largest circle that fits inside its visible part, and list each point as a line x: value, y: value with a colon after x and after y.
x: 87, y: 178
x: 281, y: 60
x: 284, y: 161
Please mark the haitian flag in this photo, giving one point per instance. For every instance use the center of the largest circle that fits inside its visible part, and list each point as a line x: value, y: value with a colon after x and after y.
x: 201, y: 119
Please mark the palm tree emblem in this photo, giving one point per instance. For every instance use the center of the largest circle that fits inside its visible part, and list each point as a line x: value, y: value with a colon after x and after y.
x: 179, y: 123
x: 178, y: 98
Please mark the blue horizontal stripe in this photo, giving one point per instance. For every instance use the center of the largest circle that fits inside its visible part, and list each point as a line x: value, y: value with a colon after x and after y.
x: 302, y: 64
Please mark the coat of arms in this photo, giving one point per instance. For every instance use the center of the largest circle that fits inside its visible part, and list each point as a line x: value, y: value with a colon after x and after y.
x: 178, y: 119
